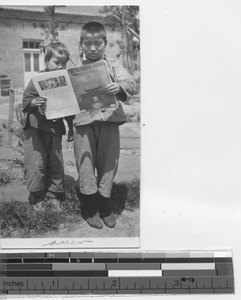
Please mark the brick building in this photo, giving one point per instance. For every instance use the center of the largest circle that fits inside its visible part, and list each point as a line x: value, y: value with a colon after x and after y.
x: 24, y: 28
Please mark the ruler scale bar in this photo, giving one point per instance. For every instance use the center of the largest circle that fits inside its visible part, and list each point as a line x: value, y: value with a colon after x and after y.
x: 116, y: 273
x: 114, y: 283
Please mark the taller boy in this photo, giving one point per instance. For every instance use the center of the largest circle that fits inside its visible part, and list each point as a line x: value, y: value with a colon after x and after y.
x: 96, y: 133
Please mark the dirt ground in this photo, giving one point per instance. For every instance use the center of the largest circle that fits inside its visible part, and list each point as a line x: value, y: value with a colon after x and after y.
x: 11, y: 159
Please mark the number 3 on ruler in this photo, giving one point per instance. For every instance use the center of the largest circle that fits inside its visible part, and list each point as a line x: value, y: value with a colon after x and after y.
x: 176, y: 282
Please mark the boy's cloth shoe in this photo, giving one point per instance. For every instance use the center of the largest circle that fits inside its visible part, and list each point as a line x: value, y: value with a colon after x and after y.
x: 49, y: 204
x: 90, y: 211
x: 109, y: 220
x: 52, y: 204
x: 36, y: 199
x: 94, y: 221
x: 106, y: 211
x: 39, y: 207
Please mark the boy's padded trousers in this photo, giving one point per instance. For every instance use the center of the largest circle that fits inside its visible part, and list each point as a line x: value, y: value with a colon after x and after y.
x: 97, y: 151
x: 43, y: 161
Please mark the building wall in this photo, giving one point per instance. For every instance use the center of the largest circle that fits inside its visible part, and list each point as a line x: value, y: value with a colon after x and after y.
x: 13, y: 32
x: 11, y: 49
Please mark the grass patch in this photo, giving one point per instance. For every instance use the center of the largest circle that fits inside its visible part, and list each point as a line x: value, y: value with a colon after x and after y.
x: 20, y: 216
x: 16, y: 215
x: 126, y: 195
x: 5, y: 177
x: 18, y: 162
x: 12, y: 170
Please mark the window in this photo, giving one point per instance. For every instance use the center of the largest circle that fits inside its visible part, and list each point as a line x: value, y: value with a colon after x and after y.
x: 33, y: 60
x: 27, y: 62
x: 32, y: 56
x: 31, y: 44
x: 36, y: 62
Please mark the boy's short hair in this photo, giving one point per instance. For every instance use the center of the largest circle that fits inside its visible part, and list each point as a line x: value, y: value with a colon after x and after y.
x: 93, y: 27
x: 58, y: 47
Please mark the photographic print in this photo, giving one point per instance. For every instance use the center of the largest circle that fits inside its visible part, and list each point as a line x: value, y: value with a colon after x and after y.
x: 52, y: 83
x: 73, y: 180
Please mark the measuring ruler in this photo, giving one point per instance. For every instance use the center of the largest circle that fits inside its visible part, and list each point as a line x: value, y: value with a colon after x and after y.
x: 117, y: 273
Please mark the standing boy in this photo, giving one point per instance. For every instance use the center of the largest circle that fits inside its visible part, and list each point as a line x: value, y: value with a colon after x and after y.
x: 96, y: 134
x: 43, y: 158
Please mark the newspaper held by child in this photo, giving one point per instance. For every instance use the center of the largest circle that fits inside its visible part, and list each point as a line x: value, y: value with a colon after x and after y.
x: 75, y: 90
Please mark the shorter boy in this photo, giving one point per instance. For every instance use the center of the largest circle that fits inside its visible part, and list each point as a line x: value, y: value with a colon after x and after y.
x: 96, y: 133
x: 43, y: 158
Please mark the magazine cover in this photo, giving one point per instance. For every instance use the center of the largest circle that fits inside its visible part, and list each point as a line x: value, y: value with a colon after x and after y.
x: 89, y: 83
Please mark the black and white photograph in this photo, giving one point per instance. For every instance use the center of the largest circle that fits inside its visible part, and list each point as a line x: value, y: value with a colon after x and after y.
x: 52, y: 83
x: 153, y: 183
x: 72, y: 180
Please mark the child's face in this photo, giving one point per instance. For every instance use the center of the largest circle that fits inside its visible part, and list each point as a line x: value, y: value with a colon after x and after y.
x: 57, y: 61
x: 93, y: 46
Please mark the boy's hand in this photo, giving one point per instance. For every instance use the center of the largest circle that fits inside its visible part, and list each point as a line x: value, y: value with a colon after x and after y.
x: 42, y: 108
x: 38, y: 101
x: 70, y: 135
x: 113, y: 88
